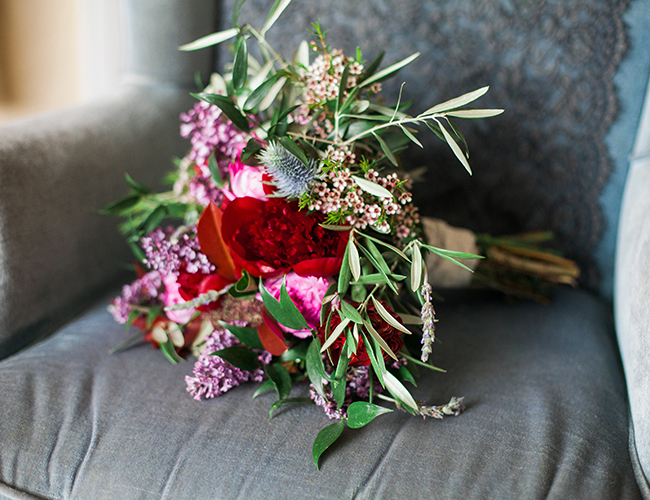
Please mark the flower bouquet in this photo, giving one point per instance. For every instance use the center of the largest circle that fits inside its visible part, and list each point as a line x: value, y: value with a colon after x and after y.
x: 288, y: 248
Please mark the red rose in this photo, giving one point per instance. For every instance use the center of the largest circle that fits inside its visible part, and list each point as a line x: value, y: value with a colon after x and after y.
x: 391, y: 335
x: 270, y: 238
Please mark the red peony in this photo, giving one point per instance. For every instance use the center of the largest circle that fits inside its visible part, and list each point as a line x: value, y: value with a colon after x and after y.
x: 270, y: 238
x: 193, y: 285
x: 391, y: 335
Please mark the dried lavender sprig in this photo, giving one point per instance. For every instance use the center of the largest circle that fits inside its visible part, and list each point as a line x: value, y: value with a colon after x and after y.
x: 428, y: 315
x: 455, y: 407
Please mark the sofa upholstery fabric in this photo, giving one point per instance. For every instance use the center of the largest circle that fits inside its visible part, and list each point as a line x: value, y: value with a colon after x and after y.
x: 546, y: 417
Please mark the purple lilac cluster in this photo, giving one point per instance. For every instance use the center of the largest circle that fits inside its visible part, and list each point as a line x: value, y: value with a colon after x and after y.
x: 203, y: 189
x: 328, y: 403
x: 208, y: 130
x: 167, y: 255
x: 213, y: 376
x: 359, y: 382
x: 140, y: 291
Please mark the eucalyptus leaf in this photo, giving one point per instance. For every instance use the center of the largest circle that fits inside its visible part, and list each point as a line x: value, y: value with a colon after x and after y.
x: 410, y: 135
x: 361, y: 413
x: 354, y: 261
x: 372, y: 187
x: 271, y: 96
x: 210, y: 40
x: 236, y: 10
x: 387, y: 245
x: 384, y: 147
x: 275, y: 12
x: 397, y: 389
x: 388, y: 317
x: 382, y: 343
x: 228, y: 107
x: 452, y: 256
x: 344, y: 273
x: 456, y: 149
x: 386, y: 72
x: 358, y: 293
x: 246, y: 335
x: 350, y: 312
x: 345, y: 322
x: 281, y: 379
x: 326, y: 438
x: 416, y: 268
x: 475, y: 113
x: 376, y: 358
x: 258, y: 95
x: 457, y: 102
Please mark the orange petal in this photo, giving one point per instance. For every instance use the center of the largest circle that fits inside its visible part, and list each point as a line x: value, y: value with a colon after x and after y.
x: 269, y: 338
x: 212, y: 245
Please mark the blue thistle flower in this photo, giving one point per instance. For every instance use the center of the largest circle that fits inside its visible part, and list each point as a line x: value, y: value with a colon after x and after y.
x: 291, y: 176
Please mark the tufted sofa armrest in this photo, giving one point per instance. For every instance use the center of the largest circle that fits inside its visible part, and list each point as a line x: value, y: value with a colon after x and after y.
x: 59, y: 169
x: 632, y: 297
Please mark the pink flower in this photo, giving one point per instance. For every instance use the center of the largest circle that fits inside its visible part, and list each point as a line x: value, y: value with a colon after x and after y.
x: 172, y: 297
x: 307, y: 293
x: 245, y: 181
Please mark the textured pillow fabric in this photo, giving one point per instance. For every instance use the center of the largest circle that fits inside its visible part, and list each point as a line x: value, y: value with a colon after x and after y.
x: 546, y: 417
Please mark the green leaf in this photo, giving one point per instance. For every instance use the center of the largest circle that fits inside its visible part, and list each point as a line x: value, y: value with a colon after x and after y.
x: 420, y: 363
x: 375, y: 335
x: 326, y: 438
x: 129, y: 341
x: 355, y: 262
x: 358, y: 293
x: 410, y: 135
x: 386, y: 72
x: 451, y: 256
x: 387, y: 245
x: 376, y: 358
x: 152, y: 314
x: 282, y: 402
x: 239, y: 356
x: 361, y: 413
x: 379, y: 258
x: 338, y: 391
x: 388, y: 317
x: 240, y: 63
x: 266, y: 386
x: 344, y: 273
x: 349, y: 312
x: 154, y: 219
x: 372, y: 67
x: 293, y: 148
x: 118, y: 207
x: 214, y: 170
x: 435, y: 128
x: 475, y: 113
x: 456, y: 149
x: 343, y: 85
x: 258, y: 95
x: 335, y: 334
x: 315, y: 367
x: 416, y: 268
x: 397, y: 389
x: 459, y: 135
x: 169, y: 351
x: 457, y: 102
x: 136, y: 185
x: 284, y: 311
x: 210, y: 40
x: 252, y: 148
x: 228, y: 107
x: 137, y: 251
x: 342, y: 365
x: 236, y: 10
x: 244, y: 282
x: 388, y: 281
x: 406, y: 375
x: 384, y: 147
x: 275, y: 12
x: 372, y: 187
x: 410, y: 319
x: 281, y: 379
x: 246, y: 335
x: 334, y: 227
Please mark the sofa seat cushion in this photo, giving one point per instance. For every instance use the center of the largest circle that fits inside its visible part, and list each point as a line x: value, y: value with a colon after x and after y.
x: 546, y: 417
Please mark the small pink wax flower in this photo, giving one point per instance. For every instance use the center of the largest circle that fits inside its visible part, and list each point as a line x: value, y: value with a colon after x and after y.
x: 307, y: 293
x: 172, y: 297
x: 245, y: 180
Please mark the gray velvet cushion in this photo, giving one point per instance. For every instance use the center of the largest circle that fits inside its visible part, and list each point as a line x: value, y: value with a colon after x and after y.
x: 546, y: 417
